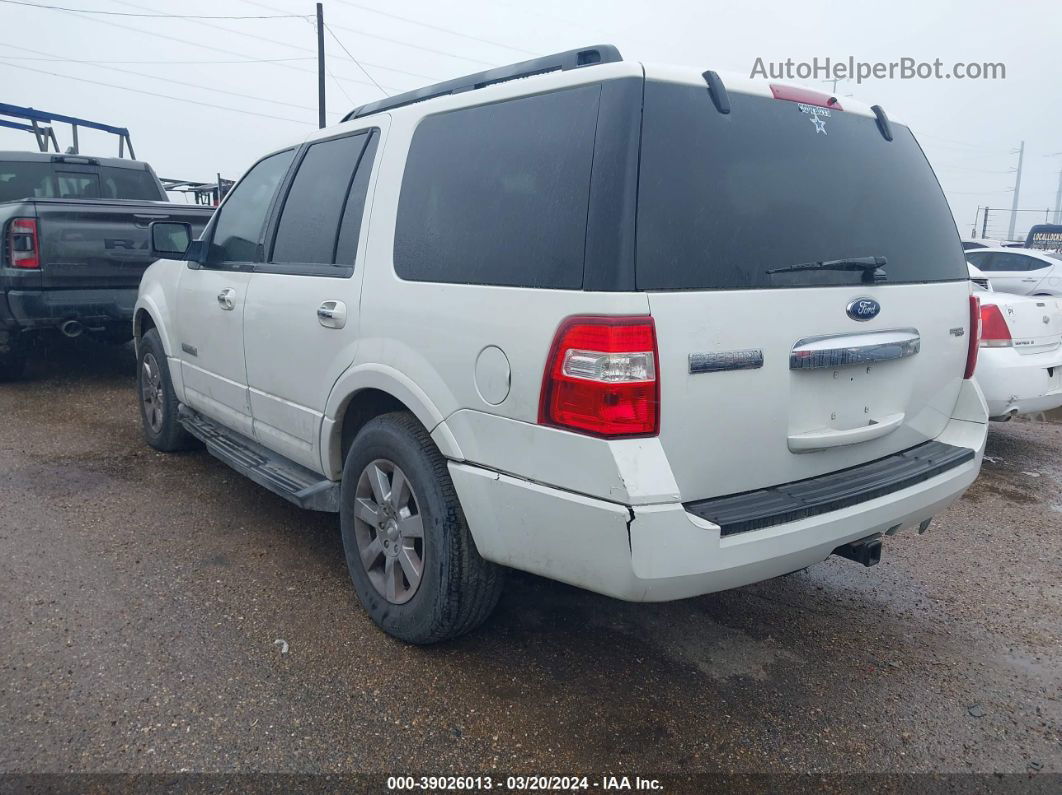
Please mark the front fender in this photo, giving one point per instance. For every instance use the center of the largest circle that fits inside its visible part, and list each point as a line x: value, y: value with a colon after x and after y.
x: 399, y: 386
x: 158, y: 290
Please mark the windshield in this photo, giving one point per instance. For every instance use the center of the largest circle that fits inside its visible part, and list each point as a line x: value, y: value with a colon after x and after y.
x: 725, y: 198
x: 27, y: 180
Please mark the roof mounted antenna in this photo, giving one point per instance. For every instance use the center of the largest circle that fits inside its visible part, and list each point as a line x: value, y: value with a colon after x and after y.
x: 717, y: 91
x: 558, y: 62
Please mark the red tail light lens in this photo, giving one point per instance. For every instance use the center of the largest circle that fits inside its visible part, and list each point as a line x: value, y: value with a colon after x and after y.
x: 23, y: 248
x: 975, y: 336
x: 995, y: 333
x: 601, y: 377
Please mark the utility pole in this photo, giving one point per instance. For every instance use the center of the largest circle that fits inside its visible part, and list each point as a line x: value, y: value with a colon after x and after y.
x: 1058, y: 200
x: 1017, y: 187
x: 321, y: 66
x: 984, y: 223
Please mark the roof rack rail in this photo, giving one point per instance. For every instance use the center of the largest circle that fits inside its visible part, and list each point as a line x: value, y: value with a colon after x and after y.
x: 559, y: 62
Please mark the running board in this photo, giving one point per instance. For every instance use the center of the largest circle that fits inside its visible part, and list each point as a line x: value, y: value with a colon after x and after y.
x: 292, y: 481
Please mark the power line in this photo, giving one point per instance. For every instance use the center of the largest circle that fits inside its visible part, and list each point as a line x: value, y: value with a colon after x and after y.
x: 391, y: 40
x: 401, y: 43
x: 355, y: 60
x: 434, y: 27
x: 156, y: 16
x: 167, y: 61
x: 313, y: 23
x: 199, y: 44
x: 277, y: 42
x: 153, y: 93
x: 171, y: 80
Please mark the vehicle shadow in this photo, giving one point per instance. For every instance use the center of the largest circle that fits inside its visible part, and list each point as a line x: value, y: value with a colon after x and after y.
x: 55, y: 357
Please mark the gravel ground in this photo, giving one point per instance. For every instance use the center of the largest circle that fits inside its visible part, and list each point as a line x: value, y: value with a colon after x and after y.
x: 145, y: 597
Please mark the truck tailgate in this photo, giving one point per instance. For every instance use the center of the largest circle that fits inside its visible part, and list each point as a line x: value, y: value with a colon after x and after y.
x: 103, y: 243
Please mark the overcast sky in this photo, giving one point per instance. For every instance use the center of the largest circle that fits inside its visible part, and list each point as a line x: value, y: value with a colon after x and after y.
x: 968, y: 128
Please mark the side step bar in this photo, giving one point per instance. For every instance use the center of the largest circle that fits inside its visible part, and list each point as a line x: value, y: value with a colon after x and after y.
x: 292, y: 481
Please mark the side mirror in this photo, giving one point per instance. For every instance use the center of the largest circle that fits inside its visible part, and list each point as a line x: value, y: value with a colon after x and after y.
x: 169, y: 239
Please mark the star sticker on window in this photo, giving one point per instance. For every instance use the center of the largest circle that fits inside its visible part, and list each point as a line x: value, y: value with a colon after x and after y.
x: 820, y: 125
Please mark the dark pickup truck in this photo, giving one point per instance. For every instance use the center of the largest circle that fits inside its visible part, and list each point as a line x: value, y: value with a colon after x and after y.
x: 74, y: 231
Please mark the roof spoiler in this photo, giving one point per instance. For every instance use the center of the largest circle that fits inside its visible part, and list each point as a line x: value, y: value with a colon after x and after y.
x: 559, y: 62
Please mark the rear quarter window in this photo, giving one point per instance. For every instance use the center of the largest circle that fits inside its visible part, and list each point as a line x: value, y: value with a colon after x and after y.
x: 498, y: 194
x: 724, y: 198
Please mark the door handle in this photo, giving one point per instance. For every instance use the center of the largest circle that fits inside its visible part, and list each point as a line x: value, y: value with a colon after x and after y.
x: 826, y: 438
x: 1031, y: 281
x: 226, y: 298
x: 332, y: 314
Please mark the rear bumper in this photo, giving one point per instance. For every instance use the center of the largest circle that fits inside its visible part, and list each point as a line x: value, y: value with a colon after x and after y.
x: 37, y: 309
x: 1014, y: 383
x: 661, y: 552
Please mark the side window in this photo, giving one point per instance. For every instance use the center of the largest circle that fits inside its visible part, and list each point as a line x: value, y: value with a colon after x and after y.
x: 1013, y: 262
x: 240, y: 220
x: 327, y: 181
x: 980, y: 259
x: 498, y: 194
x: 1033, y: 264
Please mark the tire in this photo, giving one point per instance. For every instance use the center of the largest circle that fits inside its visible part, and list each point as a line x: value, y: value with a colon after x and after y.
x: 457, y: 589
x: 158, y: 402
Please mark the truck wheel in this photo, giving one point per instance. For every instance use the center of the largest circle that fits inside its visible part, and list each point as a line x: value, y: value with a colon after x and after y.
x: 158, y: 403
x: 414, y: 564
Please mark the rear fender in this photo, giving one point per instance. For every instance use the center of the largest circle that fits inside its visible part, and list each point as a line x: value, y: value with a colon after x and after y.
x: 394, y: 383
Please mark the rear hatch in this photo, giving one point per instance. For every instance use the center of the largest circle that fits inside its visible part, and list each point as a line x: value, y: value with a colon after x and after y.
x: 771, y: 374
x: 97, y: 243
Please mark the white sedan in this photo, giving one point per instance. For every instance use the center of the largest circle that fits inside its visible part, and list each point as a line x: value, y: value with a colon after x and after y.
x: 1019, y: 361
x: 1023, y: 271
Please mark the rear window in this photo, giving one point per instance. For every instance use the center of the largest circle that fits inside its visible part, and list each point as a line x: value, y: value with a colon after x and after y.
x: 724, y: 198
x: 129, y: 183
x: 498, y: 194
x: 53, y: 181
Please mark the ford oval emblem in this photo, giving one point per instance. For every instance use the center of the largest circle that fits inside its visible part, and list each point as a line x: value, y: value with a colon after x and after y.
x: 863, y: 309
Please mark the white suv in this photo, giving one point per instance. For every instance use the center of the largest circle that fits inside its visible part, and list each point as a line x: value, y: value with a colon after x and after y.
x: 638, y: 329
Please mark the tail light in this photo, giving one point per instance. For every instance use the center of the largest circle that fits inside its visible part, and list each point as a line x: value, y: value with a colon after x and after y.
x: 23, y: 247
x: 601, y: 377
x: 995, y: 333
x: 975, y: 336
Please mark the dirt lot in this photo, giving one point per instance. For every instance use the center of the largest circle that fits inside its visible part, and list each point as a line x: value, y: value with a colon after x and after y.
x: 143, y: 597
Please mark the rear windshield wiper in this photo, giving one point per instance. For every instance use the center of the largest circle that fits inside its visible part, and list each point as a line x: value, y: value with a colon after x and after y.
x: 872, y: 267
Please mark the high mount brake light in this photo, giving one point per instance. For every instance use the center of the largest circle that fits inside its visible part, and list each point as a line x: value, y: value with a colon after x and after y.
x: 601, y: 377
x: 805, y: 96
x: 975, y: 336
x: 23, y: 246
x: 995, y: 333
